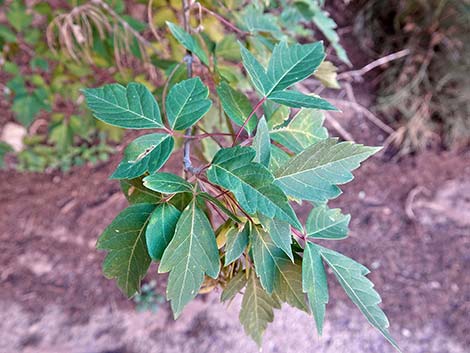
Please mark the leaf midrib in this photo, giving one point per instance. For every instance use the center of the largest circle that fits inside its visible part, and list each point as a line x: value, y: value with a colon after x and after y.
x: 125, y: 109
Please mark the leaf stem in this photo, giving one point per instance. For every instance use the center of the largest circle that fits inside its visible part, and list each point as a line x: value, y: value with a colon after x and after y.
x: 259, y: 104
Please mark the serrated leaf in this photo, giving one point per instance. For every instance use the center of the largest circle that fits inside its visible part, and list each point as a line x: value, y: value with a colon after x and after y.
x: 291, y: 64
x: 160, y: 229
x: 279, y: 232
x: 256, y: 71
x: 131, y: 107
x: 274, y: 271
x: 251, y: 183
x: 315, y: 173
x: 237, y: 106
x: 296, y: 99
x: 191, y: 253
x: 325, y: 223
x: 257, y: 309
x: 237, y: 240
x: 167, y: 183
x: 189, y: 42
x: 314, y: 283
x: 187, y: 103
x: 302, y: 131
x: 136, y: 192
x: 278, y: 158
x: 262, y: 143
x: 146, y: 153
x: 352, y: 277
x: 234, y: 286
x: 127, y: 260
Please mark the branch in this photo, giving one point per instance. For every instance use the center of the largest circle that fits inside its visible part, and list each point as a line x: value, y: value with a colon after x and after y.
x: 188, y: 59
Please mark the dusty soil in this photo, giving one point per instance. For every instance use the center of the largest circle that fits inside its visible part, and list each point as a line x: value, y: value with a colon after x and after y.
x: 410, y: 224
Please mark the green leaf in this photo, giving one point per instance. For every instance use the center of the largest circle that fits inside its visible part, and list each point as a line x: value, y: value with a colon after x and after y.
x: 234, y: 286
x: 352, y: 277
x: 8, y: 36
x: 191, y: 253
x: 251, y: 183
x: 325, y: 223
x: 279, y: 232
x: 315, y: 173
x: 161, y: 229
x: 278, y: 158
x: 237, y: 241
x: 136, y: 192
x: 62, y: 136
x: 189, y: 42
x: 187, y: 103
x: 262, y: 143
x: 4, y: 149
x: 296, y: 99
x: 274, y: 270
x: 314, y: 283
x: 289, y: 65
x: 26, y: 107
x: 167, y: 183
x: 146, y: 153
x: 305, y: 129
x: 124, y: 240
x: 288, y: 285
x: 257, y: 309
x: 18, y: 17
x: 256, y: 71
x: 227, y: 48
x: 237, y: 106
x: 133, y: 107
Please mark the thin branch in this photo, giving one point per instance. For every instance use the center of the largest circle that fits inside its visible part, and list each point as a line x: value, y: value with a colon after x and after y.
x: 357, y: 74
x: 222, y: 20
x: 259, y: 104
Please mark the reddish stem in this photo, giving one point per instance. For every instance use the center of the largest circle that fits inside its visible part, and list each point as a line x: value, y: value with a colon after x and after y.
x: 259, y: 104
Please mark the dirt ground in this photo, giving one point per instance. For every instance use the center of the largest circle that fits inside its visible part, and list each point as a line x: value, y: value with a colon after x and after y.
x: 410, y: 225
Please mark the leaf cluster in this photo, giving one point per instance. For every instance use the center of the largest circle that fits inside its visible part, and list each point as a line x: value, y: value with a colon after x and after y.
x: 230, y: 222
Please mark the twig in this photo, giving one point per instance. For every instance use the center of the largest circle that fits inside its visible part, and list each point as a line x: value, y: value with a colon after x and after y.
x: 222, y: 19
x: 367, y: 113
x: 338, y: 127
x: 357, y: 74
x: 259, y: 104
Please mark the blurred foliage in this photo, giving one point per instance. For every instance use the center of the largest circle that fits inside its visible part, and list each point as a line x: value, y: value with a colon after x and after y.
x: 148, y: 299
x: 50, y: 52
x: 430, y: 91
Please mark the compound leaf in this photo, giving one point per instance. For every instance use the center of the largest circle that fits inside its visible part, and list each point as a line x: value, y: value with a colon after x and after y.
x: 131, y: 107
x: 160, y: 229
x: 315, y: 173
x: 146, y: 153
x: 352, y: 277
x: 257, y: 309
x: 302, y: 131
x: 296, y: 99
x: 167, y: 183
x: 124, y: 240
x: 191, y: 253
x: 251, y: 183
x: 187, y: 103
x: 325, y: 223
x: 289, y: 65
x: 237, y: 106
x: 314, y: 283
x: 189, y: 42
